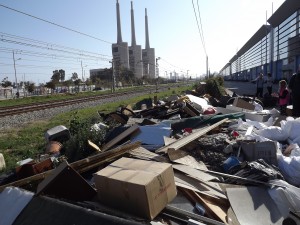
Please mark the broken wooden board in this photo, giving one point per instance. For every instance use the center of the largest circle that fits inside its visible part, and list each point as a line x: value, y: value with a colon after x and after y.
x: 187, y: 139
x: 94, y: 146
x: 202, y: 187
x: 190, y: 110
x: 143, y: 153
x: 213, y: 210
x: 80, y: 166
x: 197, y: 174
x: 120, y: 137
x: 168, y: 140
x: 182, y: 213
x: 66, y: 183
x: 182, y: 157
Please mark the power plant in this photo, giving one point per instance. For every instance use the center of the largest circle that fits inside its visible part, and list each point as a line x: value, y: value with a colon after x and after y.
x: 140, y: 61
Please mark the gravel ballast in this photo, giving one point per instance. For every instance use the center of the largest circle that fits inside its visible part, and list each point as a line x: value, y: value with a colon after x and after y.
x: 21, y: 119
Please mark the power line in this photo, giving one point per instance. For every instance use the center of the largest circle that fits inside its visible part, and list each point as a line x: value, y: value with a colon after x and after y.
x: 55, y: 24
x: 199, y: 30
x: 35, y: 42
x: 47, y: 43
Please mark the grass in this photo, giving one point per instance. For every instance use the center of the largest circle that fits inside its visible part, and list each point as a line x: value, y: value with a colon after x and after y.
x: 29, y: 142
x: 56, y: 97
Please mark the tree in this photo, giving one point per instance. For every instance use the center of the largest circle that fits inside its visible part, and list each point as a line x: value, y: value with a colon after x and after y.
x: 126, y: 76
x: 6, y: 83
x: 62, y: 75
x: 50, y: 85
x: 74, y: 76
x: 55, y: 77
x: 68, y: 83
x: 30, y: 87
x: 58, y: 76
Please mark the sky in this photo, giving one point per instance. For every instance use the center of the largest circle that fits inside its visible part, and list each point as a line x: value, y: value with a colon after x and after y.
x: 79, y: 34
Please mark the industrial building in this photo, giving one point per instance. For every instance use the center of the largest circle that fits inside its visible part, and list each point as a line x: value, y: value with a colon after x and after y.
x: 274, y: 48
x: 140, y: 61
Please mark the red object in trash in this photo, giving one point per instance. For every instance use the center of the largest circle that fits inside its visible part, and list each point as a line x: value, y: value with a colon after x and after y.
x: 209, y: 111
x: 235, y: 134
x: 188, y: 130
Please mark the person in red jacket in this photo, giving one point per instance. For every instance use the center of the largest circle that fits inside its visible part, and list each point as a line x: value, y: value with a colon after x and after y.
x: 284, y: 96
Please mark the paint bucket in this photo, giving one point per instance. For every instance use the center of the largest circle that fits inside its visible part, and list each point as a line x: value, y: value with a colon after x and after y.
x: 230, y: 162
x: 53, y: 147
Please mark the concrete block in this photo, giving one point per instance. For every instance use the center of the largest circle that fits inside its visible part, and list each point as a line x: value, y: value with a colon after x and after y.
x: 58, y: 133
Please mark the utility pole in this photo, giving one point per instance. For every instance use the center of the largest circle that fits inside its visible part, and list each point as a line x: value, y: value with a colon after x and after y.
x: 81, y: 70
x: 157, y: 72
x: 16, y: 75
x: 207, y: 67
x: 187, y: 76
x: 112, y: 77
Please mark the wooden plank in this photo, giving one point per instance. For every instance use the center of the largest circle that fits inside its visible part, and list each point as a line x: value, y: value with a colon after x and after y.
x: 181, y: 213
x: 143, y: 153
x: 185, y: 159
x: 78, y: 165
x: 213, y: 210
x: 202, y: 187
x: 168, y: 140
x: 197, y: 174
x: 185, y: 140
x: 94, y: 146
x: 120, y: 137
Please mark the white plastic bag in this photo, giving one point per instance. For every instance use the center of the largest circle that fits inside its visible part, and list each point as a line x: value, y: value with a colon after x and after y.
x: 290, y: 168
x: 287, y: 199
x: 274, y: 133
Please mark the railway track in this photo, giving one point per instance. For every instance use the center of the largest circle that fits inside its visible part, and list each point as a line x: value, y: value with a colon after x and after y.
x: 15, y: 110
x: 20, y: 109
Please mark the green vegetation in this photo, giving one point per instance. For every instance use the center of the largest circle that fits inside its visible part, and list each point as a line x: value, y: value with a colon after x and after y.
x: 215, y: 86
x: 29, y: 142
x: 56, y: 97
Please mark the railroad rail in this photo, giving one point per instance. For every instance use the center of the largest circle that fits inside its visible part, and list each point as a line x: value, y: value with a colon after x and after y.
x: 19, y: 109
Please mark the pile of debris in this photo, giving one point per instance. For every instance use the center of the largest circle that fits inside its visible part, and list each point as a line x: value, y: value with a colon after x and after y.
x: 190, y: 159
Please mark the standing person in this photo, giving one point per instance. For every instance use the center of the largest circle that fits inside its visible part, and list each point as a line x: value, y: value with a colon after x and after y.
x: 294, y: 86
x: 269, y: 83
x: 259, y: 85
x: 284, y: 96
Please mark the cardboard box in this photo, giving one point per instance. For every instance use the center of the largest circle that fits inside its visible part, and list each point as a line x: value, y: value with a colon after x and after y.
x: 140, y: 187
x: 260, y: 150
x: 243, y: 104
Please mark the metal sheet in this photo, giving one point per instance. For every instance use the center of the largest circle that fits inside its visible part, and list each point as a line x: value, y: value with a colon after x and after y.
x: 253, y: 205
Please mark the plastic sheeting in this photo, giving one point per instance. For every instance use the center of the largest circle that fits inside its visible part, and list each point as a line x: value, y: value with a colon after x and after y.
x: 287, y: 199
x: 12, y: 202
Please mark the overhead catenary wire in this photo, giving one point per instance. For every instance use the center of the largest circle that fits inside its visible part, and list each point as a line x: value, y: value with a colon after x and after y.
x: 201, y: 33
x: 199, y: 30
x: 55, y: 24
x: 34, y: 43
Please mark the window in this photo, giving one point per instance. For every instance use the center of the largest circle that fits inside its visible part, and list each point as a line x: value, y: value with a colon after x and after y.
x: 115, y: 49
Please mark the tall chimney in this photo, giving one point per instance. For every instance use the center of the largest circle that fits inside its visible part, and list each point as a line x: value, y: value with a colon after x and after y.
x: 147, y: 32
x: 133, y: 41
x: 119, y: 24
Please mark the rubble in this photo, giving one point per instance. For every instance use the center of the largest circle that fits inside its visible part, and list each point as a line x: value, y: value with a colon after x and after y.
x: 226, y: 164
